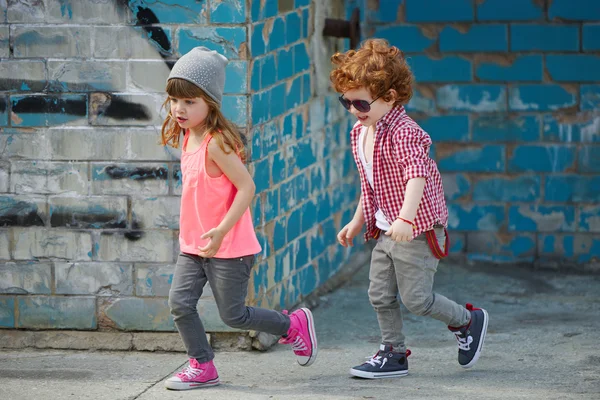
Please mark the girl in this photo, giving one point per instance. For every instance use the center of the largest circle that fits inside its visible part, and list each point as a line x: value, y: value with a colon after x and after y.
x: 217, y: 239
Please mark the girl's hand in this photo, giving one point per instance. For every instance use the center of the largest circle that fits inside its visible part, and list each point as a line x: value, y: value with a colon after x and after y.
x: 216, y: 238
x: 348, y: 233
x: 400, y: 231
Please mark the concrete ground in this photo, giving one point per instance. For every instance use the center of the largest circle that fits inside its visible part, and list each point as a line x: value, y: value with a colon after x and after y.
x: 543, y: 343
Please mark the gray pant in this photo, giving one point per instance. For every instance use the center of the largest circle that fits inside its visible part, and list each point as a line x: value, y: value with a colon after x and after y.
x: 228, y: 279
x: 408, y: 267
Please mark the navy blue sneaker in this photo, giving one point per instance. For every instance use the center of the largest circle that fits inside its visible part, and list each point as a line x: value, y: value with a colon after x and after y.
x: 385, y: 364
x: 471, y: 337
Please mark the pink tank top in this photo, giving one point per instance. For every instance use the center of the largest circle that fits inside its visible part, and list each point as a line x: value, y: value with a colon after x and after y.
x: 204, y: 202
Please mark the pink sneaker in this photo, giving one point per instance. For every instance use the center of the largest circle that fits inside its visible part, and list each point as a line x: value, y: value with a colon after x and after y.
x: 302, y: 337
x: 194, y: 376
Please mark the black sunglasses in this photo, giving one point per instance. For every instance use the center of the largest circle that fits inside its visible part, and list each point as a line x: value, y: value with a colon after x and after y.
x: 360, y: 105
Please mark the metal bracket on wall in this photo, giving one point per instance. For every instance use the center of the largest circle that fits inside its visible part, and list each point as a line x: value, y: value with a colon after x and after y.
x: 344, y: 29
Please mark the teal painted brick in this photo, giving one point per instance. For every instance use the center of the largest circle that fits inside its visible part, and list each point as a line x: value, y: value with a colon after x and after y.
x: 293, y: 97
x: 535, y: 218
x: 589, y: 218
x: 301, y: 3
x: 505, y: 128
x: 257, y: 214
x: 256, y: 146
x: 172, y: 11
x: 540, y: 98
x: 478, y: 38
x: 264, y: 9
x: 48, y: 110
x: 277, y: 104
x: 456, y: 186
x: 572, y: 188
x: 446, y: 69
x: 420, y: 103
x: 591, y: 37
x: 285, y: 64
x: 281, y: 260
x: 556, y: 245
x: 227, y: 12
x: 323, y: 207
x: 488, y: 158
x: 590, y: 97
x: 306, y: 88
x: 294, y: 224
x: 235, y: 108
x: 271, y: 205
x: 542, y: 158
x: 507, y: 189
x: 308, y: 279
x: 576, y: 10
x: 557, y: 131
x: 279, y: 239
x: 509, y: 10
x: 261, y: 175
x: 589, y: 159
x: 446, y: 128
x: 387, y: 11
x: 236, y: 74
x: 293, y: 27
x: 523, y: 68
x: 278, y: 167
x: 501, y: 248
x: 276, y: 37
x: 573, y: 68
x: 268, y: 70
x: 260, y: 107
x: 257, y: 43
x: 301, y: 58
x: 469, y: 217
x: 408, y: 38
x: 293, y: 192
x: 317, y: 180
x: 57, y: 312
x: 439, y: 10
x: 475, y: 98
x: 255, y: 74
x: 305, y: 20
x: 544, y: 37
x: 260, y: 278
x: 458, y: 242
x: 309, y: 215
x: 301, y: 252
x: 7, y: 312
x: 226, y: 40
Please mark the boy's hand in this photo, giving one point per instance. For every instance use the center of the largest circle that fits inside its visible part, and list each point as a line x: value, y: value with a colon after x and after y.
x: 348, y: 233
x: 400, y: 231
x: 216, y: 238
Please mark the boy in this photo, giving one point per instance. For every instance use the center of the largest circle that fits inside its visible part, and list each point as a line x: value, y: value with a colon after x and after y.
x: 401, y: 196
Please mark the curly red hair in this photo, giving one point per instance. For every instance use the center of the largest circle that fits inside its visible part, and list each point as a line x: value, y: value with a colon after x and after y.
x: 376, y: 66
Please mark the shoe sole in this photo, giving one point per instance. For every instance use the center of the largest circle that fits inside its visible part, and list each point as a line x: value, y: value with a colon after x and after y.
x: 481, y: 340
x: 313, y: 337
x: 377, y: 375
x: 190, y: 385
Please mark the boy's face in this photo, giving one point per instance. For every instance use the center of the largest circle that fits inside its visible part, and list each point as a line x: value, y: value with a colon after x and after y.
x: 378, y: 108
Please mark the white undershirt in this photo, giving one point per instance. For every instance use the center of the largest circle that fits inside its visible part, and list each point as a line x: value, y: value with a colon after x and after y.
x: 380, y: 220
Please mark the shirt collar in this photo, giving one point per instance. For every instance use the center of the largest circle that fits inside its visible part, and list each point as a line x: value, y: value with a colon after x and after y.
x: 392, y: 115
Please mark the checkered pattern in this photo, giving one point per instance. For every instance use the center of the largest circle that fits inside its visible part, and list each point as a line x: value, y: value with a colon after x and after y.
x: 401, y: 153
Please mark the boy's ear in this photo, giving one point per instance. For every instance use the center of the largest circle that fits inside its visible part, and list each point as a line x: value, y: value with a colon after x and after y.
x: 393, y: 96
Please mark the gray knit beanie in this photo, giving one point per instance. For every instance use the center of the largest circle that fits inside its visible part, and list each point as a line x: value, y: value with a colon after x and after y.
x: 204, y: 68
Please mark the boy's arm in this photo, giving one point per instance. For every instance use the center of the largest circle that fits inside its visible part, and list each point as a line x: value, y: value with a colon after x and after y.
x: 412, y: 198
x: 359, y: 217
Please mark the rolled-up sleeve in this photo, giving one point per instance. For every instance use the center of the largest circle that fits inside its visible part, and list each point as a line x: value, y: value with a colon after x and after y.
x: 412, y: 152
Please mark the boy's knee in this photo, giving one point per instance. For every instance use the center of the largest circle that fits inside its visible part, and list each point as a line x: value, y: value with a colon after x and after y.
x: 418, y: 306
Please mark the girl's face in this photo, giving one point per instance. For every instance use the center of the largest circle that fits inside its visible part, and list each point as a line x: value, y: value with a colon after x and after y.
x: 189, y: 113
x: 376, y: 109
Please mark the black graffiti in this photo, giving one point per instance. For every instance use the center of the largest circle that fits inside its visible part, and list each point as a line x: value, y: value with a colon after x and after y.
x: 135, y: 233
x: 146, y: 16
x: 49, y: 105
x: 3, y: 104
x: 78, y: 219
x: 136, y: 173
x: 121, y: 110
x: 20, y: 213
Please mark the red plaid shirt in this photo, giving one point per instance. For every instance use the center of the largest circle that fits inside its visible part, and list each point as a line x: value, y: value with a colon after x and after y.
x: 401, y: 153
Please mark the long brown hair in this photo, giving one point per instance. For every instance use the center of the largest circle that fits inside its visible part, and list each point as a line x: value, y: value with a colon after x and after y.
x: 221, y: 129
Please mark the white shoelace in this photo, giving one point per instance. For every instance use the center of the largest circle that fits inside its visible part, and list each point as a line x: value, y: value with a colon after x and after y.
x: 376, y: 360
x: 190, y: 372
x: 464, y: 343
x: 299, y: 344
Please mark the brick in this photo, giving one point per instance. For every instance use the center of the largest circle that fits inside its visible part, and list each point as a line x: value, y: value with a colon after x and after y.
x: 157, y: 212
x: 307, y: 89
x: 590, y: 97
x: 506, y: 128
x: 34, y: 243
x: 456, y: 186
x: 445, y: 69
x: 261, y: 175
x: 141, y: 146
x: 305, y: 22
x: 264, y: 9
x: 228, y: 41
x: 293, y: 225
x: 136, y: 246
x: 94, y: 143
x: 85, y: 12
x: 271, y: 205
x: 386, y: 11
x: 7, y: 312
x: 125, y: 109
x: 507, y: 189
x: 276, y: 106
x: 589, y: 218
x: 293, y: 192
x: 302, y: 60
x: 236, y: 77
x: 279, y: 234
x: 19, y: 144
x: 88, y: 212
x: 536, y: 218
x: 577, y: 10
x: 438, y: 10
x: 589, y: 159
x: 276, y: 35
x: 29, y: 278
x: 235, y: 109
x: 48, y: 110
x: 478, y: 38
x: 577, y: 248
x: 278, y: 167
x: 3, y: 11
x: 409, y: 39
x: 474, y: 98
x: 100, y: 279
x: 540, y: 98
x: 420, y: 102
x: 585, y: 131
x: 285, y: 64
x: 22, y: 75
x: 522, y: 68
x: 140, y: 179
x: 4, y: 180
x: 293, y: 27
x: 147, y: 76
x: 51, y: 41
x: 25, y: 210
x: 544, y: 37
x: 572, y: 188
x: 134, y: 42
x: 4, y: 44
x: 487, y: 158
x: 228, y: 12
x: 258, y: 44
x: 542, y: 158
x: 308, y: 279
x: 501, y: 248
x: 22, y: 12
x: 504, y: 10
x: 469, y: 217
x: 573, y: 68
x: 155, y: 280
x: 4, y: 245
x: 86, y: 76
x: 591, y: 37
x: 169, y: 12
x: 309, y: 215
x: 266, y: 68
x: 49, y: 177
x: 3, y: 111
x: 57, y: 312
